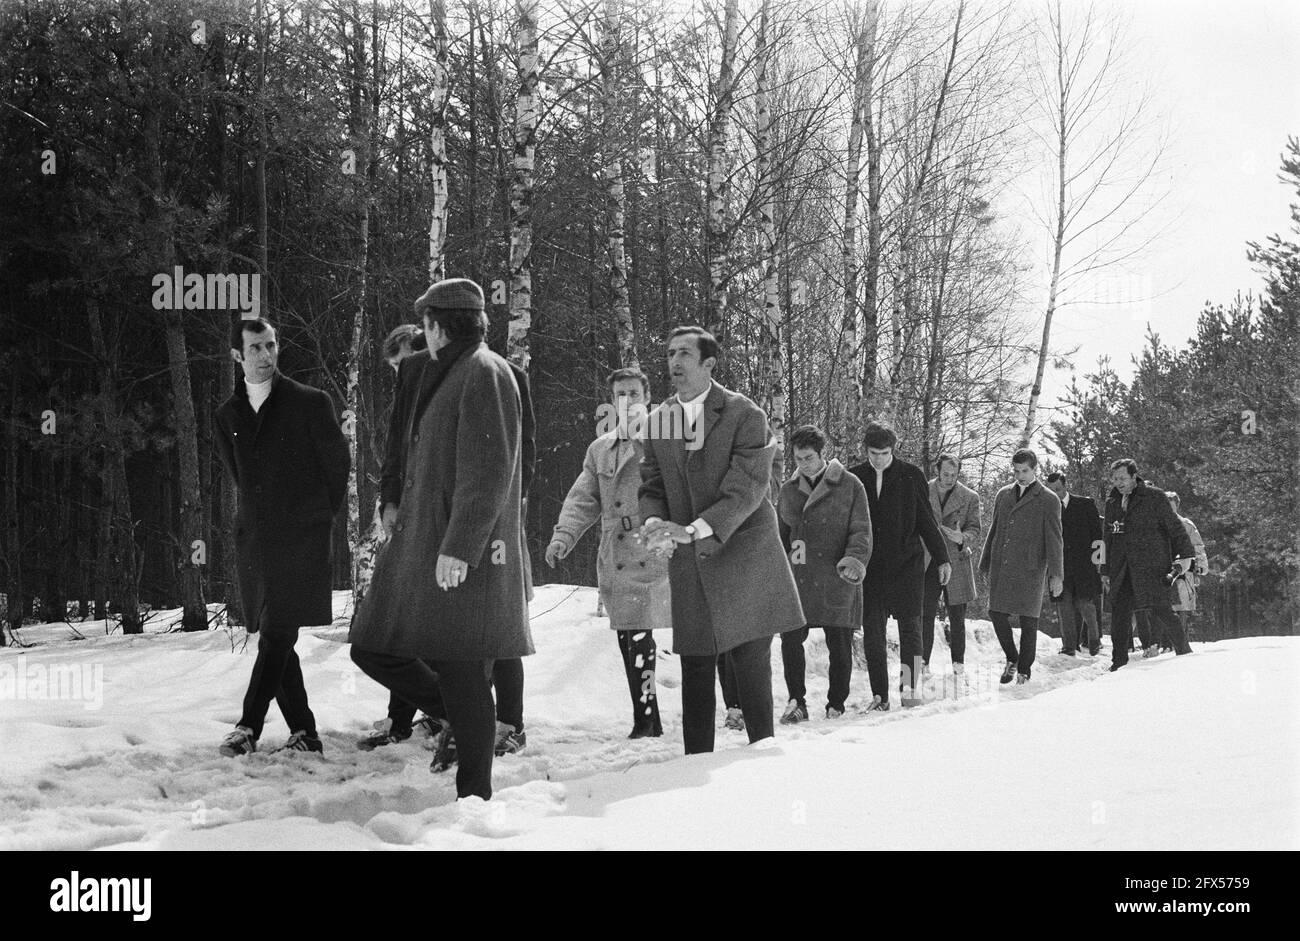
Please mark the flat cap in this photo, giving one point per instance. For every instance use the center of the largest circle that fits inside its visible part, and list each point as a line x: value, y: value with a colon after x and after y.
x: 451, y: 294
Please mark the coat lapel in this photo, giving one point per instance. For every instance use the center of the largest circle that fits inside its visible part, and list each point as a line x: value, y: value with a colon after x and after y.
x: 714, y: 403
x: 834, y: 471
x: 259, y: 417
x: 1031, y: 493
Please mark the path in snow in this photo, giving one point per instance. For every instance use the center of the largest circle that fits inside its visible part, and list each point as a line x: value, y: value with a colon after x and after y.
x: 141, y: 769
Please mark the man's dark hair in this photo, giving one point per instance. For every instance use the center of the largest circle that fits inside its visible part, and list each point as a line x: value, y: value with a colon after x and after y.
x: 1025, y: 456
x: 946, y: 458
x: 808, y: 436
x: 627, y: 373
x: 1127, y: 463
x: 880, y: 435
x: 1056, y: 477
x: 459, y: 323
x: 260, y: 325
x: 402, y: 336
x: 705, y: 342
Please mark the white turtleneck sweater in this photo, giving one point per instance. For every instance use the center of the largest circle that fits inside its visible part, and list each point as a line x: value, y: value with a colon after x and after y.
x: 258, y: 392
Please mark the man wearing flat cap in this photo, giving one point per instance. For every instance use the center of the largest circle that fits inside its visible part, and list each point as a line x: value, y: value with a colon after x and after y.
x: 449, y: 586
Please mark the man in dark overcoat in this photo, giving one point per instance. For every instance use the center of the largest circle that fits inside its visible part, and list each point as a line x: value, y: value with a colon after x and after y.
x: 903, y: 528
x: 1081, y: 535
x: 1144, y: 540
x: 507, y: 674
x: 449, y: 586
x: 706, y: 478
x: 281, y: 443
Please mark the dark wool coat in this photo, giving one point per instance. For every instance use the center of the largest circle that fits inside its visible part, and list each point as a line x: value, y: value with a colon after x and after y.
x: 734, y: 586
x: 961, y: 511
x: 1153, y: 536
x: 819, y: 527
x: 290, y: 463
x: 1080, y: 529
x: 903, y: 528
x: 633, y: 582
x: 460, y: 498
x: 1023, y: 549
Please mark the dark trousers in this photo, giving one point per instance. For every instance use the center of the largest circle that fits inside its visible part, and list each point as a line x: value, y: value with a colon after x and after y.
x: 750, y: 666
x: 640, y: 653
x: 930, y: 610
x: 461, y: 686
x: 1024, y: 657
x: 910, y: 648
x: 730, y: 696
x: 277, y: 675
x: 1078, y: 613
x: 1154, y: 623
x: 507, y: 679
x: 839, y: 644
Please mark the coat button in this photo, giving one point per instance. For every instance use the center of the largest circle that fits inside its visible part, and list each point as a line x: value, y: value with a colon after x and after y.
x: 620, y: 535
x: 618, y: 503
x: 409, y: 483
x: 257, y: 488
x: 401, y: 526
x: 619, y: 566
x: 417, y: 437
x: 643, y: 563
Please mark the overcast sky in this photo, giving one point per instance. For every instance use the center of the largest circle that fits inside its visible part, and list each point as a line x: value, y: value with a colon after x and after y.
x: 1227, y: 79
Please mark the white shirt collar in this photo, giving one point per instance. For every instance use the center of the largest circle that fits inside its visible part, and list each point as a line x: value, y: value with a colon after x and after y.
x: 699, y: 399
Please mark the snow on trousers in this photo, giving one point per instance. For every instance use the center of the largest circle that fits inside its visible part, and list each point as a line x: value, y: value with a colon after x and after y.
x: 639, y: 657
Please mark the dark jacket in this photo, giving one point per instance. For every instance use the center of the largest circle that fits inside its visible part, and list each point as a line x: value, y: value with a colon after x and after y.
x: 1081, y: 529
x: 290, y: 463
x: 903, y: 528
x: 461, y: 498
x: 819, y: 528
x: 1148, y: 538
x: 734, y: 586
x: 409, y: 371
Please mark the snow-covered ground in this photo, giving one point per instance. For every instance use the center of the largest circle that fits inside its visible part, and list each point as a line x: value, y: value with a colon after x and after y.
x: 110, y: 741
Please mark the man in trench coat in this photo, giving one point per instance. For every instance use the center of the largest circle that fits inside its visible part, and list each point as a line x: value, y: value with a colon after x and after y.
x: 706, y: 478
x: 1023, y: 549
x: 633, y: 581
x: 956, y: 509
x: 280, y: 442
x: 449, y: 586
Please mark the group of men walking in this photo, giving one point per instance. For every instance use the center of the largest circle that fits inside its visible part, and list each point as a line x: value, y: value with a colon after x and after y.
x: 690, y: 538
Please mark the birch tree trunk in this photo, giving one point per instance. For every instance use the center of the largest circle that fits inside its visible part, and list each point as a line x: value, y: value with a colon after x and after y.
x: 773, y: 386
x: 521, y: 188
x: 611, y: 170
x: 438, y: 141
x: 362, y: 138
x: 717, y: 249
x: 871, y: 275
x: 849, y: 401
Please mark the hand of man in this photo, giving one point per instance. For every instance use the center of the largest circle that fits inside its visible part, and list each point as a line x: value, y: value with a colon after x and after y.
x: 1202, y: 568
x: 1184, y: 564
x: 945, y: 573
x: 1056, y: 584
x: 1105, y: 584
x: 850, y: 569
x: 556, y: 551
x: 389, y: 518
x: 450, y: 573
x: 657, y: 533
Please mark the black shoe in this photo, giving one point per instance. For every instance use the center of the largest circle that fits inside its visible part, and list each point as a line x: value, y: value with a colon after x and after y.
x: 1093, y: 651
x: 795, y: 712
x: 242, y: 741
x: 509, y: 740
x: 1067, y: 653
x: 646, y: 730
x: 382, y: 737
x: 1009, y: 672
x: 303, y: 741
x: 444, y: 749
x: 1116, y: 666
